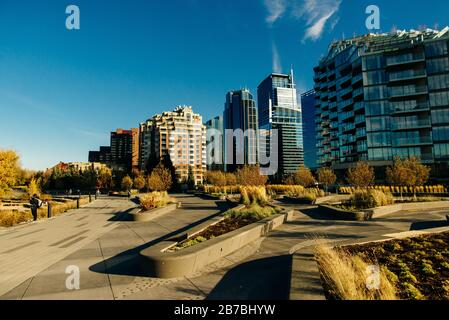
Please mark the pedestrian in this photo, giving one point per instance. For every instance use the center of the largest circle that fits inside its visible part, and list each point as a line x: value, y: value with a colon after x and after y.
x: 36, y: 203
x: 129, y: 194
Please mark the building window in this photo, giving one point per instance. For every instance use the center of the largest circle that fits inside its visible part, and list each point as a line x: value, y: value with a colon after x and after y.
x: 436, y: 49
x: 441, y: 151
x: 440, y: 116
x: 439, y: 99
x: 378, y: 123
x: 438, y: 65
x: 439, y: 82
x: 441, y: 133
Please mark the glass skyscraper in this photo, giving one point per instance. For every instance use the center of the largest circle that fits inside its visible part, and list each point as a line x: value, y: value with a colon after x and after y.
x: 278, y: 109
x: 384, y: 95
x: 240, y: 113
x: 309, y: 134
x: 214, y: 130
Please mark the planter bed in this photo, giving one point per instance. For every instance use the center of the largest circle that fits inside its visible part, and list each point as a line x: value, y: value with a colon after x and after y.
x: 162, y: 262
x: 379, y: 212
x: 297, y: 200
x: 148, y: 215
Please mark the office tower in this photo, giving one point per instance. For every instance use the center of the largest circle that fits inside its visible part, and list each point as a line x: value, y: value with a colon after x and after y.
x: 122, y: 149
x: 279, y: 110
x: 214, y: 150
x: 240, y: 115
x: 309, y: 134
x: 384, y: 95
x: 101, y: 156
x: 179, y: 134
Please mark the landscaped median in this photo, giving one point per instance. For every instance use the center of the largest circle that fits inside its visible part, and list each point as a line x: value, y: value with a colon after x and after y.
x: 190, y: 251
x: 152, y: 206
x: 371, y: 204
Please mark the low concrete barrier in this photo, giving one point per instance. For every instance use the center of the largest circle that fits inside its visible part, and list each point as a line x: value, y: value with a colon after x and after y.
x: 155, y: 262
x: 144, y: 216
x: 385, y: 210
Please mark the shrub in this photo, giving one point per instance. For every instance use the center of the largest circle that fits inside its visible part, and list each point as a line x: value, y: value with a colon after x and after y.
x: 253, y: 212
x: 361, y: 176
x: 326, y: 177
x: 309, y: 194
x: 127, y: 183
x: 155, y: 200
x: 371, y: 198
x: 345, y: 275
x: 283, y: 189
x: 304, y: 177
x: 250, y: 176
x: 160, y: 179
x: 254, y: 195
x: 139, y: 183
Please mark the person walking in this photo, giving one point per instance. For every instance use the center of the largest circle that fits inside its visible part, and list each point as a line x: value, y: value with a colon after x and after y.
x: 36, y: 203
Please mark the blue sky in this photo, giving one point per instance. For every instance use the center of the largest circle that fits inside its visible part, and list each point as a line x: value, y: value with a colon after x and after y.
x: 62, y: 92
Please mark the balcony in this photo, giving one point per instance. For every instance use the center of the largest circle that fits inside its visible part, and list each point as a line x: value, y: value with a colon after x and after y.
x: 399, y: 92
x: 423, y: 107
x: 357, y: 78
x: 333, y: 115
x: 348, y: 127
x: 406, y: 142
x: 407, y: 75
x: 347, y: 115
x: 332, y: 105
x: 360, y: 133
x: 358, y: 92
x: 360, y: 119
x: 405, y: 59
x: 346, y: 103
x: 359, y: 106
x: 345, y: 79
x: 407, y: 125
x: 345, y: 92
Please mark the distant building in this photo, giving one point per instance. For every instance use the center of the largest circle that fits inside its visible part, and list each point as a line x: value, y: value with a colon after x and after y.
x: 180, y: 134
x: 309, y: 133
x: 214, y: 150
x: 382, y: 96
x: 102, y: 156
x: 279, y: 110
x: 77, y: 166
x: 240, y: 115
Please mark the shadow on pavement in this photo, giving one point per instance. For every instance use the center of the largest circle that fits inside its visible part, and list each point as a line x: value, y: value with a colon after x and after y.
x: 263, y: 279
x: 322, y: 214
x: 421, y: 225
x: 127, y: 262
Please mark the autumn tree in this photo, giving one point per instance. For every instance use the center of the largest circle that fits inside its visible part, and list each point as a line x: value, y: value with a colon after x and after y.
x: 304, y: 177
x: 216, y: 178
x: 127, y: 183
x: 231, y: 179
x: 139, y: 182
x: 8, y: 169
x: 160, y: 179
x: 104, y: 178
x: 361, y: 176
x: 33, y: 188
x: 326, y: 177
x: 250, y: 176
x: 410, y: 173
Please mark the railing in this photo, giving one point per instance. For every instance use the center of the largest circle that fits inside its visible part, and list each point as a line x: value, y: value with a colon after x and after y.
x: 358, y: 106
x: 348, y: 127
x: 410, y: 142
x: 346, y: 103
x: 357, y: 78
x: 407, y: 74
x: 418, y: 107
x: 405, y: 58
x: 399, y: 125
x: 408, y: 90
x: 360, y: 119
x: 357, y: 92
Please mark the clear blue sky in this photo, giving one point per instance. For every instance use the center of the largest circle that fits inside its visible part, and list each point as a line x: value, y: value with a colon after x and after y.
x: 62, y: 92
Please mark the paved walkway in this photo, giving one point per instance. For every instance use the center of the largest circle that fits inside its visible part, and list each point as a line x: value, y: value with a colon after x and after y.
x: 26, y: 250
x: 261, y: 270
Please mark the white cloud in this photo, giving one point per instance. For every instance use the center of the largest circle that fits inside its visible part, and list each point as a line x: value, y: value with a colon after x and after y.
x: 276, y: 9
x: 277, y: 65
x: 317, y: 13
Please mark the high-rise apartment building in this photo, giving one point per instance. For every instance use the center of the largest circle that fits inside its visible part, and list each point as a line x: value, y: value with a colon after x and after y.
x: 125, y: 149
x: 279, y: 110
x: 101, y: 156
x: 384, y: 95
x: 240, y: 115
x: 309, y: 134
x: 179, y: 134
x: 215, y: 143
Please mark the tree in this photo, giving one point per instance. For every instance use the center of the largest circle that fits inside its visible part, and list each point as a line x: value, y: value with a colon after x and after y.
x: 304, y: 177
x: 160, y: 179
x: 139, y: 183
x: 127, y: 183
x: 326, y: 177
x: 8, y: 169
x: 361, y: 176
x: 216, y: 178
x: 250, y: 176
x: 410, y: 173
x: 289, y: 180
x: 104, y: 178
x: 33, y: 188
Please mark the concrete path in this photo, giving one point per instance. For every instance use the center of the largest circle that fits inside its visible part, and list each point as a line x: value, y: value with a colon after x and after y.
x: 280, y: 266
x: 29, y: 249
x: 108, y: 261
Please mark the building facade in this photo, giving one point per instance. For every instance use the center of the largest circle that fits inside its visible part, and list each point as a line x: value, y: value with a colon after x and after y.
x: 384, y: 96
x: 240, y: 116
x: 215, y: 143
x: 181, y: 135
x: 101, y: 156
x: 309, y: 134
x: 279, y: 110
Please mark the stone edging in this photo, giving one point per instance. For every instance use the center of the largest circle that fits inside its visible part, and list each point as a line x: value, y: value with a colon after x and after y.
x: 157, y: 263
x: 385, y: 210
x: 144, y: 216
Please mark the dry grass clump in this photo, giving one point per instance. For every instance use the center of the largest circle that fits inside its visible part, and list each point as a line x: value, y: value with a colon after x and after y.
x: 277, y: 189
x: 254, y: 195
x: 155, y: 200
x: 309, y: 194
x: 371, y: 198
x: 345, y: 276
x: 12, y: 217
